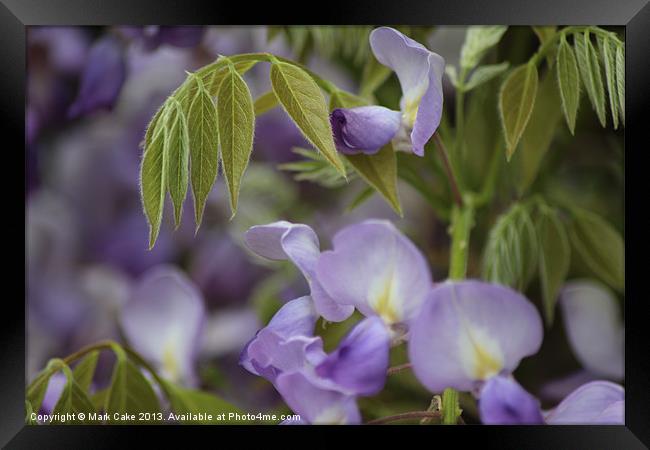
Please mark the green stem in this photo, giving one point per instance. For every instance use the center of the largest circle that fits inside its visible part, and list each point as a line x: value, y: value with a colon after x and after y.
x: 462, y: 221
x: 450, y: 409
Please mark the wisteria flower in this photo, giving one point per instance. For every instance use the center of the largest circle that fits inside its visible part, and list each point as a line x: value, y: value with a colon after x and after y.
x: 102, y: 78
x: 470, y: 331
x: 420, y: 71
x: 321, y: 388
x: 504, y: 402
x: 297, y: 242
x: 163, y: 322
x: 376, y: 269
x: 594, y: 327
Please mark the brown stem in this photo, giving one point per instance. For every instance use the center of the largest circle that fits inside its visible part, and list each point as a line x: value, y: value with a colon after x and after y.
x: 396, y: 369
x: 442, y: 150
x: 404, y: 416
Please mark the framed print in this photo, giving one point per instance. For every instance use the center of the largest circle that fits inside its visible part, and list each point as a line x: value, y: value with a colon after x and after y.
x: 374, y: 215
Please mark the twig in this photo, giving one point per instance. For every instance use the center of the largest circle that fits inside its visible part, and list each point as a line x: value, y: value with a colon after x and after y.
x: 442, y: 150
x: 396, y: 369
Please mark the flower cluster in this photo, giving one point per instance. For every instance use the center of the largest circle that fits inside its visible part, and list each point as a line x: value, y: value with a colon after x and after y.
x: 468, y: 335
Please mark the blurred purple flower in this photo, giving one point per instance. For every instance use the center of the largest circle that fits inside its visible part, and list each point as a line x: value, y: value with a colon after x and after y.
x: 275, y: 136
x: 594, y: 327
x: 321, y: 388
x: 102, y: 78
x: 504, y: 402
x: 297, y: 242
x: 65, y: 48
x: 420, y: 75
x: 365, y: 129
x: 154, y: 36
x: 222, y: 269
x: 163, y: 322
x: 470, y: 331
x: 53, y: 392
x: 376, y: 269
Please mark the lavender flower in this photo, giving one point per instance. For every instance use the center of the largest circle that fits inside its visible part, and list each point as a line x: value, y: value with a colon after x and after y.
x: 376, y: 269
x: 298, y: 243
x: 154, y: 36
x: 366, y: 129
x: 102, y: 78
x: 163, y: 322
x: 321, y: 388
x: 504, y: 402
x: 594, y: 327
x: 470, y: 331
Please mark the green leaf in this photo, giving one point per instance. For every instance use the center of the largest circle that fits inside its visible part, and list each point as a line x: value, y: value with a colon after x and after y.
x: 236, y: 119
x: 204, y: 147
x: 591, y: 77
x: 85, y: 370
x: 153, y: 183
x: 599, y: 246
x: 378, y: 170
x: 539, y: 133
x: 478, y: 40
x: 516, y: 101
x: 28, y: 414
x: 37, y: 388
x: 511, y: 254
x: 73, y: 400
x: 569, y: 83
x: 554, y: 258
x: 130, y: 392
x: 304, y: 102
x: 484, y: 74
x: 453, y: 75
x: 374, y: 75
x: 265, y: 102
x: 188, y: 403
x: 620, y: 80
x: 608, y: 52
x: 176, y: 148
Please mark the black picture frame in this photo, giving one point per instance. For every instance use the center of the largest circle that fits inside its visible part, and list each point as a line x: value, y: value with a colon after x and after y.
x: 15, y: 15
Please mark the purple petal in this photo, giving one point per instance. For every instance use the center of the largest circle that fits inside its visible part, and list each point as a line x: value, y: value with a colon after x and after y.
x: 365, y: 129
x: 469, y: 331
x: 297, y: 242
x: 286, y: 343
x: 598, y: 402
x: 314, y: 404
x: 377, y: 269
x: 53, y: 392
x: 593, y: 323
x: 420, y: 74
x: 429, y: 112
x: 163, y: 322
x: 360, y: 362
x: 504, y: 402
x: 102, y: 78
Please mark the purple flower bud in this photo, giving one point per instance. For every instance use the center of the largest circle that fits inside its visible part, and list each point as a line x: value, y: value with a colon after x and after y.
x: 365, y: 129
x: 598, y: 402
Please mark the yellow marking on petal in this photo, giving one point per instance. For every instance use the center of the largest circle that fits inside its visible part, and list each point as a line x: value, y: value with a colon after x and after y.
x: 384, y: 305
x: 169, y: 362
x: 411, y: 112
x: 486, y: 364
